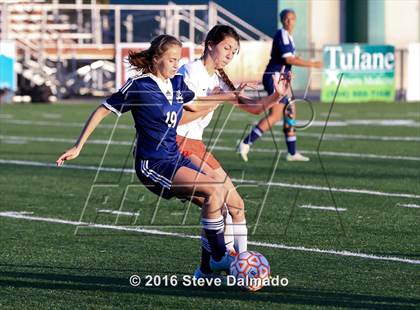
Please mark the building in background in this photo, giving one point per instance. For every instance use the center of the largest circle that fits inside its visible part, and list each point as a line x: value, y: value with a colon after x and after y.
x: 71, y: 45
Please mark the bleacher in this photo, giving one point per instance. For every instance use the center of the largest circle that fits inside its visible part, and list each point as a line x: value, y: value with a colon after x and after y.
x: 56, y: 39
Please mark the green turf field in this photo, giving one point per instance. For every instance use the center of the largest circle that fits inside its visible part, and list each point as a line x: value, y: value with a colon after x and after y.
x: 365, y: 254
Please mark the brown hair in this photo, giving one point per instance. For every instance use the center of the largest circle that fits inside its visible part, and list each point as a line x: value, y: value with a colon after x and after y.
x: 216, y: 35
x: 143, y: 60
x: 224, y: 77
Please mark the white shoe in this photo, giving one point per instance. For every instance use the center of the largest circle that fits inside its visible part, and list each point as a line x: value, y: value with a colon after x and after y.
x: 223, y: 264
x: 296, y: 157
x: 243, y: 149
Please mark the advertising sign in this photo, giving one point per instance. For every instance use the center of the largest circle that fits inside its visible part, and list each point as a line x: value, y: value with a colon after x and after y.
x: 7, y: 62
x: 368, y: 73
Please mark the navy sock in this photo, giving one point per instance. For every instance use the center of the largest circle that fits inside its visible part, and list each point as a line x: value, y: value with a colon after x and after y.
x: 256, y: 133
x: 291, y: 145
x: 205, y: 261
x: 214, y: 232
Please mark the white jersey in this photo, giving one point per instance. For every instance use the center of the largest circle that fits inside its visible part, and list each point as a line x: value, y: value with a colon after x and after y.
x: 201, y: 83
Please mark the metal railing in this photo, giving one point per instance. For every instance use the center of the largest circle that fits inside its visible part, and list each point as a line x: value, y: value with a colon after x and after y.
x: 50, y: 32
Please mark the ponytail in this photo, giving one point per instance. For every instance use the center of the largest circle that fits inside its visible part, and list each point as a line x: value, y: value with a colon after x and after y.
x: 141, y: 61
x: 224, y: 77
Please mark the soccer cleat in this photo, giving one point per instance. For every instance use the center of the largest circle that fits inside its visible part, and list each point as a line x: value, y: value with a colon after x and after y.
x: 296, y: 157
x: 224, y: 263
x: 243, y: 150
x: 198, y: 274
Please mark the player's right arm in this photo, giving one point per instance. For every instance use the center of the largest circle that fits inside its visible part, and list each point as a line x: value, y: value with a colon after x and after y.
x: 284, y: 46
x: 296, y: 61
x: 117, y: 103
x: 93, y: 121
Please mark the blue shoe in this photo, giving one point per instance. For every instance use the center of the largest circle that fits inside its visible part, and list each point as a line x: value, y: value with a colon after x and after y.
x: 198, y: 274
x: 223, y: 264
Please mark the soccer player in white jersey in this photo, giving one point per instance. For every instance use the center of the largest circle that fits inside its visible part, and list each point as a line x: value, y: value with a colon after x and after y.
x: 203, y: 76
x: 156, y: 99
x: 282, y: 58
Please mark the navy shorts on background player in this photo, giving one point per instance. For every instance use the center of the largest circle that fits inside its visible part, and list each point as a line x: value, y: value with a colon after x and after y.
x: 283, y: 47
x: 269, y: 86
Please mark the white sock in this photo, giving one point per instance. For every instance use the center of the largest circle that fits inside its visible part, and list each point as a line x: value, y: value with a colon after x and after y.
x: 229, y: 234
x: 240, y: 232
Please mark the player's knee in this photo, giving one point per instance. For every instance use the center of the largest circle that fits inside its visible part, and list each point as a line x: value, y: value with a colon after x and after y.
x: 237, y: 207
x: 216, y: 195
x: 274, y: 118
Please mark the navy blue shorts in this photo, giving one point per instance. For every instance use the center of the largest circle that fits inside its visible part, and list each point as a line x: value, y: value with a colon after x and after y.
x: 269, y: 86
x: 157, y: 174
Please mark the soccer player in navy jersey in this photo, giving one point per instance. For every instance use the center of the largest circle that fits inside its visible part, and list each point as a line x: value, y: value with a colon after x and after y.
x: 282, y: 58
x: 156, y: 98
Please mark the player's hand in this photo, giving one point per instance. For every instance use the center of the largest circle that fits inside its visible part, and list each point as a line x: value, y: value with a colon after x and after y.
x: 216, y: 91
x: 281, y: 84
x: 240, y: 90
x: 68, y: 155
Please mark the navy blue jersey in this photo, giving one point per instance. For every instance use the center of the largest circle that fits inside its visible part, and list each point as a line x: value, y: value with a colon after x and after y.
x: 156, y: 107
x: 283, y: 47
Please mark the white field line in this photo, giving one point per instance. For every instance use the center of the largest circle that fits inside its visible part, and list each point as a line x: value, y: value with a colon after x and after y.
x: 339, y: 137
x: 347, y: 123
x: 60, y: 124
x: 53, y: 165
x: 117, y: 212
x: 52, y: 115
x: 13, y: 141
x: 60, y: 140
x: 408, y: 205
x: 330, y: 136
x: 365, y: 122
x: 228, y: 131
x: 325, y: 153
x: 23, y: 139
x: 322, y: 208
x: 275, y: 184
x: 17, y: 215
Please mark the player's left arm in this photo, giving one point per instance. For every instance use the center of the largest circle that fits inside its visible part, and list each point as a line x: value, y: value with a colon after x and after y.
x: 189, y: 116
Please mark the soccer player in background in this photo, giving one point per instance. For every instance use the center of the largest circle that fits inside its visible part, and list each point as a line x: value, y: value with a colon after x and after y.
x: 282, y: 59
x: 156, y: 98
x: 203, y: 76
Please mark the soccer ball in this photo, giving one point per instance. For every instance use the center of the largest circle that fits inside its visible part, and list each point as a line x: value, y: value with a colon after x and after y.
x: 251, y: 270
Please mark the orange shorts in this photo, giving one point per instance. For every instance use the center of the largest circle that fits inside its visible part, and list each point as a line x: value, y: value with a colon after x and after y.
x: 189, y: 147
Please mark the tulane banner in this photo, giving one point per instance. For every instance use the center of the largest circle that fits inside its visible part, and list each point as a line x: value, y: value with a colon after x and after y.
x: 368, y: 73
